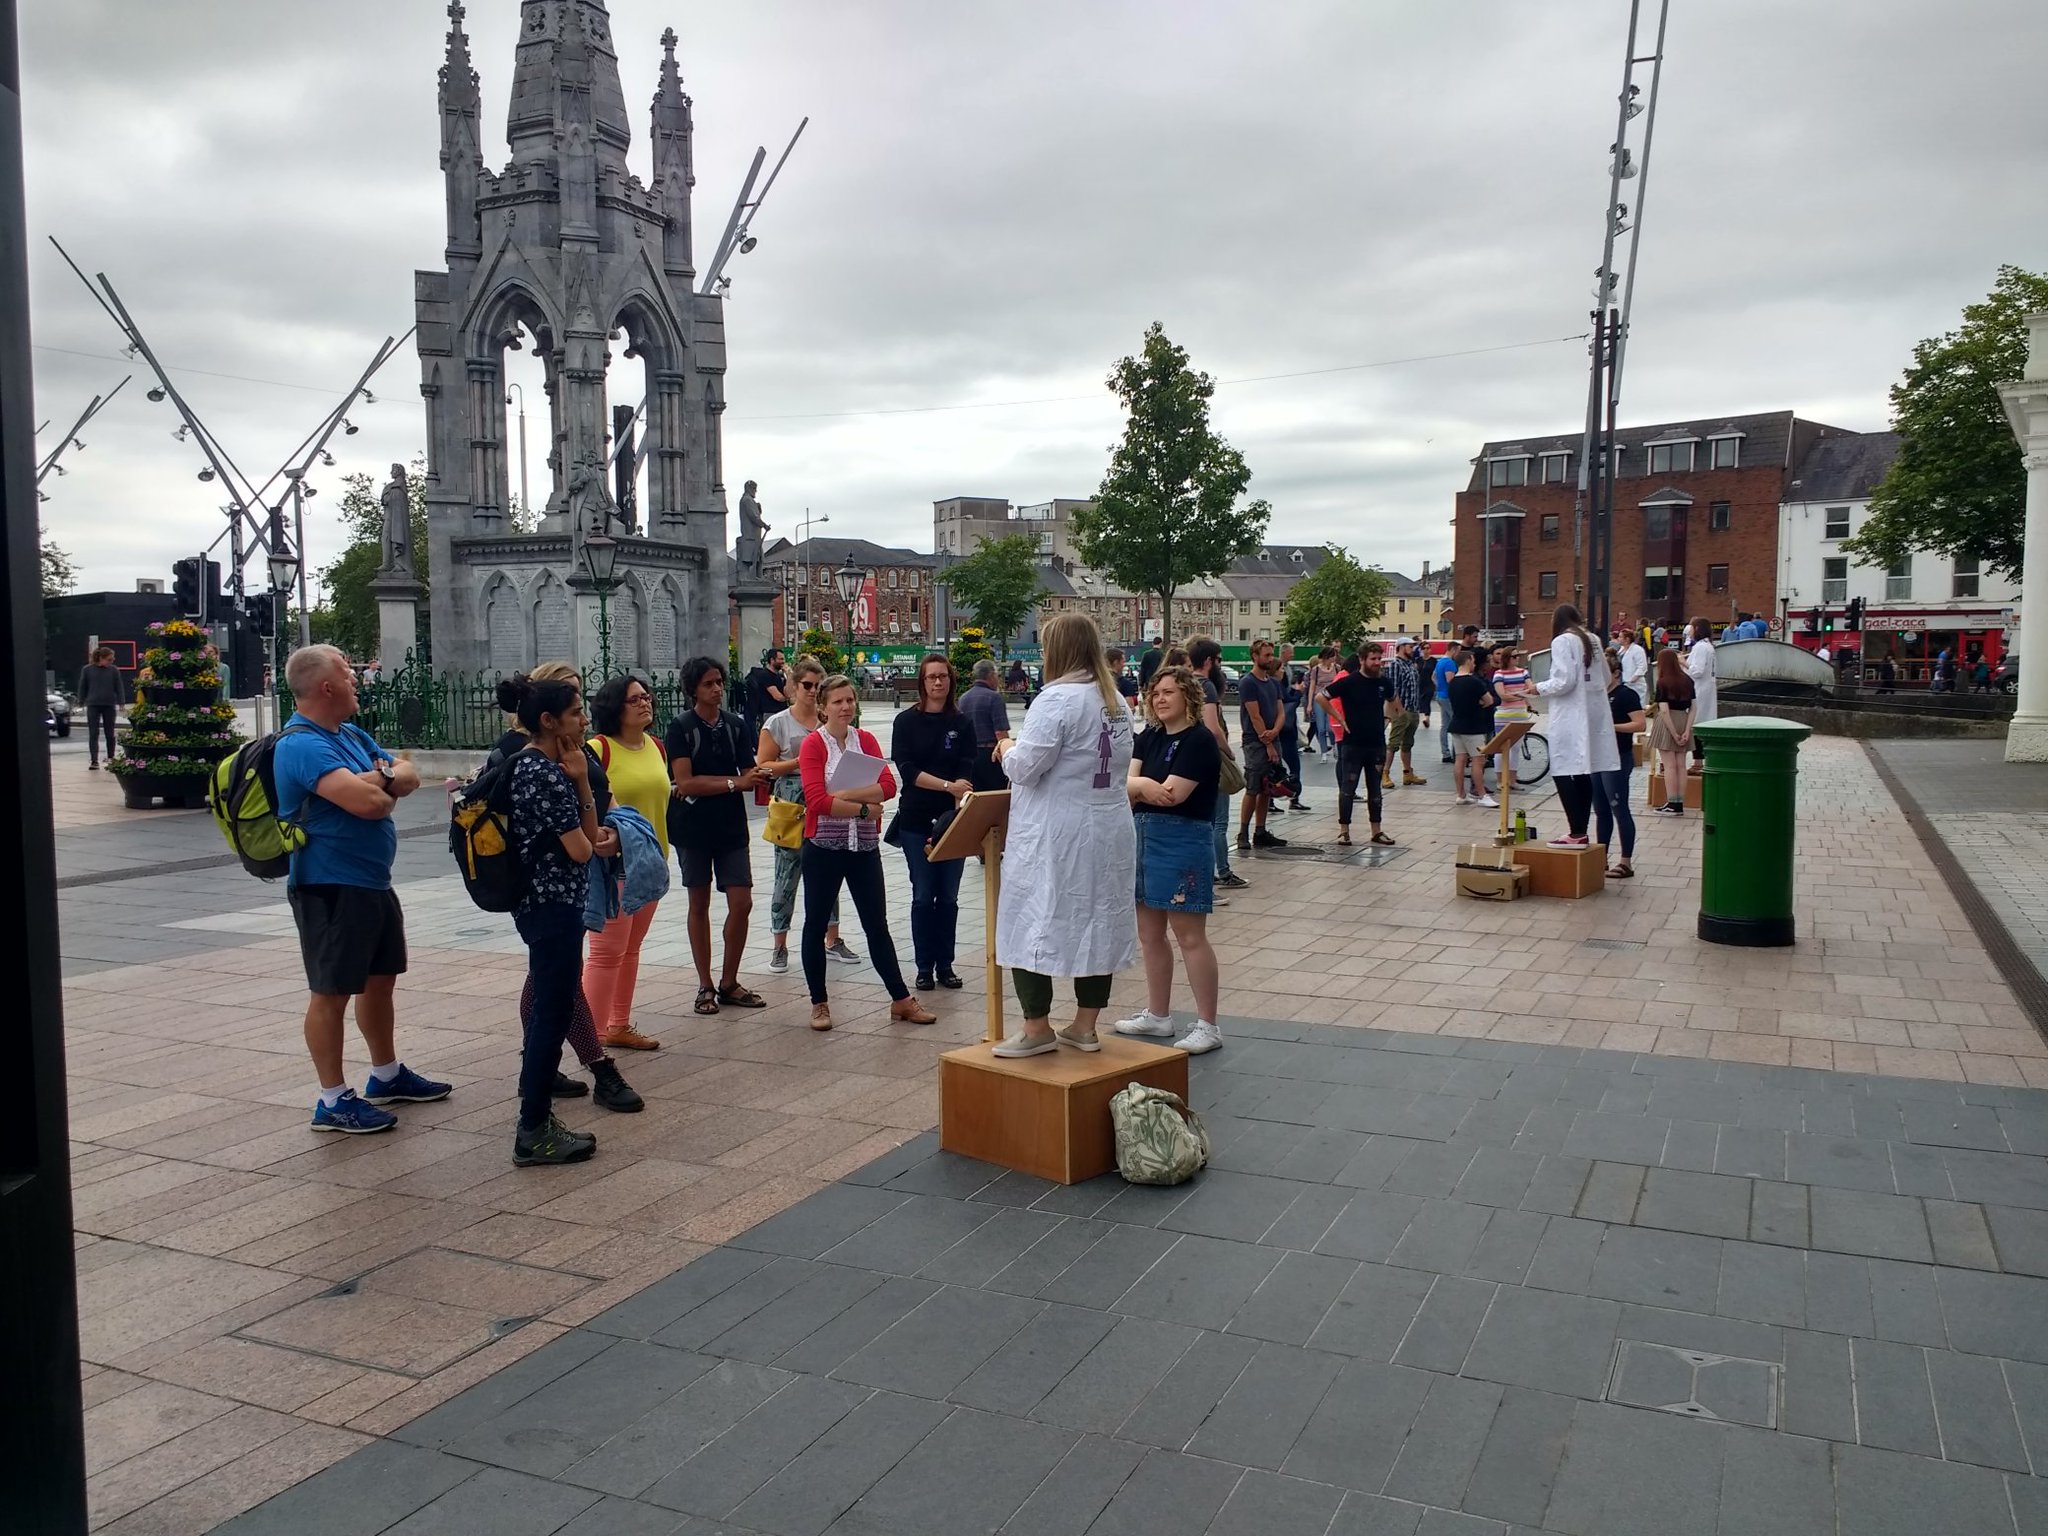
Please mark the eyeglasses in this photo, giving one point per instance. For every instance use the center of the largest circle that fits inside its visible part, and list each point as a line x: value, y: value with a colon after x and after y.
x: 640, y: 698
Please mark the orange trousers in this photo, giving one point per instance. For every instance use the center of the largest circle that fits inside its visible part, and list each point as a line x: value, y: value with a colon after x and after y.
x: 612, y: 969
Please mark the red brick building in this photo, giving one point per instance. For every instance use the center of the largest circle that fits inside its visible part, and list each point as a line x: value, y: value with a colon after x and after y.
x: 1695, y: 522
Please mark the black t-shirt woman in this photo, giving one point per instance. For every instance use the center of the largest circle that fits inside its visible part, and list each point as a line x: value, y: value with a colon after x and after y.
x: 934, y: 748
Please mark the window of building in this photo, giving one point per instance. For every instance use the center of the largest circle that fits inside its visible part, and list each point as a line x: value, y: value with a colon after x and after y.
x: 1717, y: 578
x: 1547, y: 532
x: 1509, y: 472
x: 1265, y: 605
x: 1546, y: 586
x: 1717, y: 517
x: 893, y: 578
x: 1661, y: 583
x: 1834, y: 579
x: 1244, y: 605
x: 1296, y: 557
x: 913, y: 581
x: 1670, y: 458
x: 1727, y: 452
x: 1402, y: 605
x: 1898, y: 581
x: 1656, y: 524
x: 1555, y: 466
x: 824, y: 579
x: 1966, y: 576
x: 1243, y: 635
x: 1835, y: 524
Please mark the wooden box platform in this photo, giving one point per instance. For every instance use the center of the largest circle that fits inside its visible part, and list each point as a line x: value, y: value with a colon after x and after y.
x: 1566, y: 872
x: 1047, y: 1115
x: 1654, y: 796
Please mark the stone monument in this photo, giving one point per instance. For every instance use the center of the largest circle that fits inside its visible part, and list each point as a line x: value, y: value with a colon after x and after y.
x: 396, y: 585
x: 567, y: 251
x: 753, y: 591
x: 2026, y: 406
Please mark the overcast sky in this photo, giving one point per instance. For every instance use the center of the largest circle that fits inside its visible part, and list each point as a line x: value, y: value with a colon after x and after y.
x: 994, y: 199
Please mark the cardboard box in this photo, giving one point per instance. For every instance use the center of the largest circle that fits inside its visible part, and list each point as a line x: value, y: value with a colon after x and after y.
x: 1492, y: 884
x: 1564, y: 872
x: 1485, y: 856
x: 1654, y: 794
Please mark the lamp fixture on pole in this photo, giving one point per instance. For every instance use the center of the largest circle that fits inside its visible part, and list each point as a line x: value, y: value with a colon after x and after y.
x: 601, y: 562
x: 850, y: 579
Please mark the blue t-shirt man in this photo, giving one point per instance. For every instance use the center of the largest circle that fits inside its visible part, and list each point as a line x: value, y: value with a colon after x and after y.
x: 1446, y: 668
x: 341, y: 849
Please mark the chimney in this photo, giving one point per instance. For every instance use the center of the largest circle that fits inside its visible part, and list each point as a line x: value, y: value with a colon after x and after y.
x: 1425, y: 570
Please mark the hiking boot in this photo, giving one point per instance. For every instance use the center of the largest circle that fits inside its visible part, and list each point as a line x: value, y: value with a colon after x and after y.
x: 612, y: 1091
x: 552, y: 1143
x: 406, y: 1088
x: 356, y: 1117
x: 567, y: 1087
x: 1264, y: 839
x: 1413, y: 778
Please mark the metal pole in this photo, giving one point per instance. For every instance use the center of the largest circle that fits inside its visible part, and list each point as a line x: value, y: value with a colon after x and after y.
x: 525, y: 496
x: 732, y: 224
x: 299, y: 533
x: 93, y: 409
x: 1628, y: 287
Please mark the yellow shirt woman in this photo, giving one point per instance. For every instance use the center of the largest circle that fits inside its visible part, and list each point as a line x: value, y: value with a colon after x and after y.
x: 639, y: 778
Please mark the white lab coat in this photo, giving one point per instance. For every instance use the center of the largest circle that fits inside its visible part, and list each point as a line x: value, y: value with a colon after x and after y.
x: 1706, y: 693
x: 1580, y: 727
x: 1635, y: 668
x: 1070, y: 862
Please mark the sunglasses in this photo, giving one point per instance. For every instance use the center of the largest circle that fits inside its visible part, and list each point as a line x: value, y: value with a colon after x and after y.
x: 808, y: 686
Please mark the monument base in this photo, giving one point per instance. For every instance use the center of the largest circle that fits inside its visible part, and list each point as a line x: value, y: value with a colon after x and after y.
x: 756, y: 604
x: 2027, y: 739
x: 398, y: 629
x: 1047, y: 1115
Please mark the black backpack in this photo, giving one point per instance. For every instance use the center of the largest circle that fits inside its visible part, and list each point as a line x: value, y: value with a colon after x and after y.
x: 480, y: 838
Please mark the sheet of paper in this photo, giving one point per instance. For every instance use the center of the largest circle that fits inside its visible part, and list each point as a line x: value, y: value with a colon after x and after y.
x: 854, y: 770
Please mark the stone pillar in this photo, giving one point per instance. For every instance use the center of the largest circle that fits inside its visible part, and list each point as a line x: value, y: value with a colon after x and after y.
x: 398, y: 620
x: 2026, y: 405
x: 756, y: 601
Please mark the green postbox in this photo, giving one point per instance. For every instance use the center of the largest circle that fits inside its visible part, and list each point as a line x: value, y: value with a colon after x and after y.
x: 1749, y: 811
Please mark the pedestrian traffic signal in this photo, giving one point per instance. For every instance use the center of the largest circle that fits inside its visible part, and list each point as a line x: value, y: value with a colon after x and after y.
x: 185, y: 585
x: 258, y: 610
x: 1827, y: 623
x: 1856, y: 613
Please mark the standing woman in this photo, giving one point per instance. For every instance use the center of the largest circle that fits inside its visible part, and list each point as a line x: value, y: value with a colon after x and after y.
x: 1706, y: 691
x: 843, y: 845
x: 1671, y: 731
x: 1611, y: 809
x: 1321, y: 673
x: 934, y: 748
x: 555, y: 834
x: 637, y: 768
x: 1071, y: 861
x: 1581, y: 734
x: 781, y: 734
x: 1172, y: 789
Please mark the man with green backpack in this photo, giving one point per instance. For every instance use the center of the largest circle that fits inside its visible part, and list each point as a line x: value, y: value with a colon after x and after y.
x: 338, y: 788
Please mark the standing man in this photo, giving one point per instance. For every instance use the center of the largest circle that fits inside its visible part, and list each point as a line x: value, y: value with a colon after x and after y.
x: 101, y: 691
x: 1126, y: 680
x: 984, y: 707
x: 1205, y: 659
x: 1262, y: 709
x: 1635, y: 662
x: 1149, y: 662
x: 1441, y: 674
x: 1361, y: 703
x: 711, y: 763
x: 1414, y: 700
x: 341, y: 787
x: 767, y: 690
x: 1290, y: 730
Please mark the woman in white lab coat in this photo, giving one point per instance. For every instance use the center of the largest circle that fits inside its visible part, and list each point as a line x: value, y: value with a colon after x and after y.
x: 1070, y: 858
x: 1581, y: 734
x: 1699, y: 666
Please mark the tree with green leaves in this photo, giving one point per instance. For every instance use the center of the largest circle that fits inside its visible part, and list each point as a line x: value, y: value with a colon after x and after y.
x: 60, y: 572
x: 816, y: 642
x: 1958, y: 486
x: 1339, y: 602
x: 348, y: 602
x: 1167, y: 513
x: 999, y: 584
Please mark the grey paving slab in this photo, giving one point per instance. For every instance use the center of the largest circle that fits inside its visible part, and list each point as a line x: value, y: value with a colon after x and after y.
x: 1200, y: 1281
x: 1256, y: 1422
x: 1169, y: 1491
x: 1894, y: 1404
x: 731, y: 1466
x: 830, y: 1216
x: 1266, y: 1504
x: 1115, y: 1376
x: 1441, y: 1336
x: 1369, y: 1226
x: 1878, y: 1226
x: 379, y: 1485
x: 1780, y: 1213
x: 1713, y: 1205
x: 1883, y: 1493
x: 1658, y: 1269
x: 1365, y: 1514
x: 1296, y: 1295
x: 1608, y: 1489
x: 635, y: 1455
x: 1171, y: 1414
x: 1546, y: 1340
x: 1974, y: 1409
x: 857, y: 1326
x: 1611, y: 1192
x: 1445, y: 1442
x: 553, y: 1429
x: 1961, y: 1234
x: 1905, y: 1306
x: 1361, y: 1425
x: 1519, y: 1462
x: 905, y: 1239
x: 1035, y: 1359
x: 1818, y: 1393
x: 1372, y: 1314
x: 932, y: 1349
x: 833, y: 1473
x: 1775, y: 1484
x: 925, y: 1494
x: 1838, y: 1294
x: 1077, y: 1490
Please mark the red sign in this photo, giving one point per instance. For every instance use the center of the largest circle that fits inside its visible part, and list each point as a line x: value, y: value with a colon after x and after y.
x: 864, y: 608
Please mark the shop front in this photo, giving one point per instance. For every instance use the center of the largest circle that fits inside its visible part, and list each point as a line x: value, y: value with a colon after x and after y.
x: 1914, y: 643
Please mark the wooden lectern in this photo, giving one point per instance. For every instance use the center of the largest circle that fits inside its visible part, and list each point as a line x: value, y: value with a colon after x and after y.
x: 1506, y: 738
x: 1045, y: 1115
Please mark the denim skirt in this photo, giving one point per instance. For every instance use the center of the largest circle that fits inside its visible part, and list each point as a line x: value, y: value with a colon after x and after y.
x: 1176, y: 863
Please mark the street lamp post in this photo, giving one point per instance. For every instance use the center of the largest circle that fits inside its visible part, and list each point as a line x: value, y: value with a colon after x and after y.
x: 525, y: 505
x: 803, y: 569
x: 851, y: 578
x: 601, y: 560
x: 284, y: 571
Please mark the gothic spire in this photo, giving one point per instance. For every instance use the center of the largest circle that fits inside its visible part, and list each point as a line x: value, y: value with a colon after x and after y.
x: 674, y: 168
x: 458, y: 76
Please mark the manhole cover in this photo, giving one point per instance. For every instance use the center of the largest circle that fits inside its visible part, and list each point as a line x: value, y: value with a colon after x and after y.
x: 1724, y: 1388
x: 1366, y: 857
x: 1611, y: 943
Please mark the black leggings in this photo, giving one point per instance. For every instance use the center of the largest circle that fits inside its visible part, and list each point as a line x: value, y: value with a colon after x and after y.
x: 825, y: 870
x: 1355, y: 757
x: 99, y: 719
x: 1575, y: 794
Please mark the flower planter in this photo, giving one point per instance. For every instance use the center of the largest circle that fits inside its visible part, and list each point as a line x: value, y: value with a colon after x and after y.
x: 176, y: 791
x: 193, y: 695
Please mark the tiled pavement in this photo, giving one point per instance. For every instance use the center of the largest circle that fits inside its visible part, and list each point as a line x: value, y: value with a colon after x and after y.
x: 1428, y: 1286
x: 258, y: 1302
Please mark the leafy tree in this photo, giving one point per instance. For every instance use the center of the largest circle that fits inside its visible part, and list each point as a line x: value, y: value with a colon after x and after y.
x: 347, y: 599
x: 999, y: 584
x: 1958, y: 486
x: 1339, y: 601
x: 60, y: 572
x: 816, y: 642
x: 1167, y: 513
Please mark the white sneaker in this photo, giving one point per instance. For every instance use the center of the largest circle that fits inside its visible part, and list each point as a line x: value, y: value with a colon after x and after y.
x: 1462, y: 800
x: 1145, y: 1022
x: 1487, y: 800
x: 1024, y: 1045
x: 1203, y: 1037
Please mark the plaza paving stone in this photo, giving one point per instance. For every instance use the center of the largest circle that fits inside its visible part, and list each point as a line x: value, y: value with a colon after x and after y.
x: 1454, y: 1145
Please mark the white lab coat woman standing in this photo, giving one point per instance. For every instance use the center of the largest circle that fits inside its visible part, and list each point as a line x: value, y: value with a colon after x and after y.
x: 1581, y: 735
x: 1070, y: 860
x: 1699, y: 666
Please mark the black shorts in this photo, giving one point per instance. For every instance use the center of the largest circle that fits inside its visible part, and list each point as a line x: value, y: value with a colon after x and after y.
x: 347, y: 934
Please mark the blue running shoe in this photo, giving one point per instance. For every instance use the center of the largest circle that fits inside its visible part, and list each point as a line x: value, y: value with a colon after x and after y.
x: 407, y: 1088
x: 353, y: 1115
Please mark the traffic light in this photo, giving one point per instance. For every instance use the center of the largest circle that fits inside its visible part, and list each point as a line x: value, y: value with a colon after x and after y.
x: 258, y: 609
x: 1813, y: 621
x: 185, y: 585
x: 1856, y: 613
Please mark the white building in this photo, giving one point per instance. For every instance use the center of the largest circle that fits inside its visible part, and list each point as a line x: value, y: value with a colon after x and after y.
x: 1913, y: 610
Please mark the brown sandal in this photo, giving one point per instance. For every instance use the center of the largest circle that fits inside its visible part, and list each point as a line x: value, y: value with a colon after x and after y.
x: 733, y: 995
x: 1344, y: 838
x: 908, y: 1010
x: 1383, y: 840
x: 707, y: 1001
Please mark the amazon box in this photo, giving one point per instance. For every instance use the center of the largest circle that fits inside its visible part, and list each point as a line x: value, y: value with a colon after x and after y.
x: 1492, y: 884
x: 1485, y: 856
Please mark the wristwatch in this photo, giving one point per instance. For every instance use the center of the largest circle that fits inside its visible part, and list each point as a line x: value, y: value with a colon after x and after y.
x: 732, y: 786
x: 390, y: 779
x: 862, y: 813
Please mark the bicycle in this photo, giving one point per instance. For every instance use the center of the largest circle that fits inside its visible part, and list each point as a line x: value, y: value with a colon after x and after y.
x: 1530, y: 760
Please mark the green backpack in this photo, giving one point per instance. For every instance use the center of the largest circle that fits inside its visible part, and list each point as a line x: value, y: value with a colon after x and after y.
x: 1159, y: 1140
x: 243, y: 797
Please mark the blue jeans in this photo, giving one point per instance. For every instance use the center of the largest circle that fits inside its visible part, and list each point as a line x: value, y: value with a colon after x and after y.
x: 934, y: 904
x: 1611, y: 807
x: 1443, y: 731
x: 1290, y: 753
x: 1222, y: 826
x: 1319, y: 728
x: 553, y: 932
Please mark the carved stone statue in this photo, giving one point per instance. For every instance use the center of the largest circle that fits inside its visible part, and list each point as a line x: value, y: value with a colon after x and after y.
x: 753, y: 533
x: 397, y: 524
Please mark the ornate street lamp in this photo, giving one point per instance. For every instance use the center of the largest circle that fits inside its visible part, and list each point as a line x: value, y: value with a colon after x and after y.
x: 284, y: 575
x: 601, y: 560
x: 851, y: 579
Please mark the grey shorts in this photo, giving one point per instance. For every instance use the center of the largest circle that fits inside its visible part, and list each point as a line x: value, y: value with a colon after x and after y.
x: 1472, y: 746
x: 733, y: 867
x: 1257, y: 757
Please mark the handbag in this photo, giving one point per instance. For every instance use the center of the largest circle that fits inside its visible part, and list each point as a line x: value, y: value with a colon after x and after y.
x: 1229, y: 776
x: 785, y: 825
x: 1159, y: 1140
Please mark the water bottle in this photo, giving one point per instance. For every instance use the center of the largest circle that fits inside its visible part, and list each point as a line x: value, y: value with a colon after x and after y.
x: 1521, y: 826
